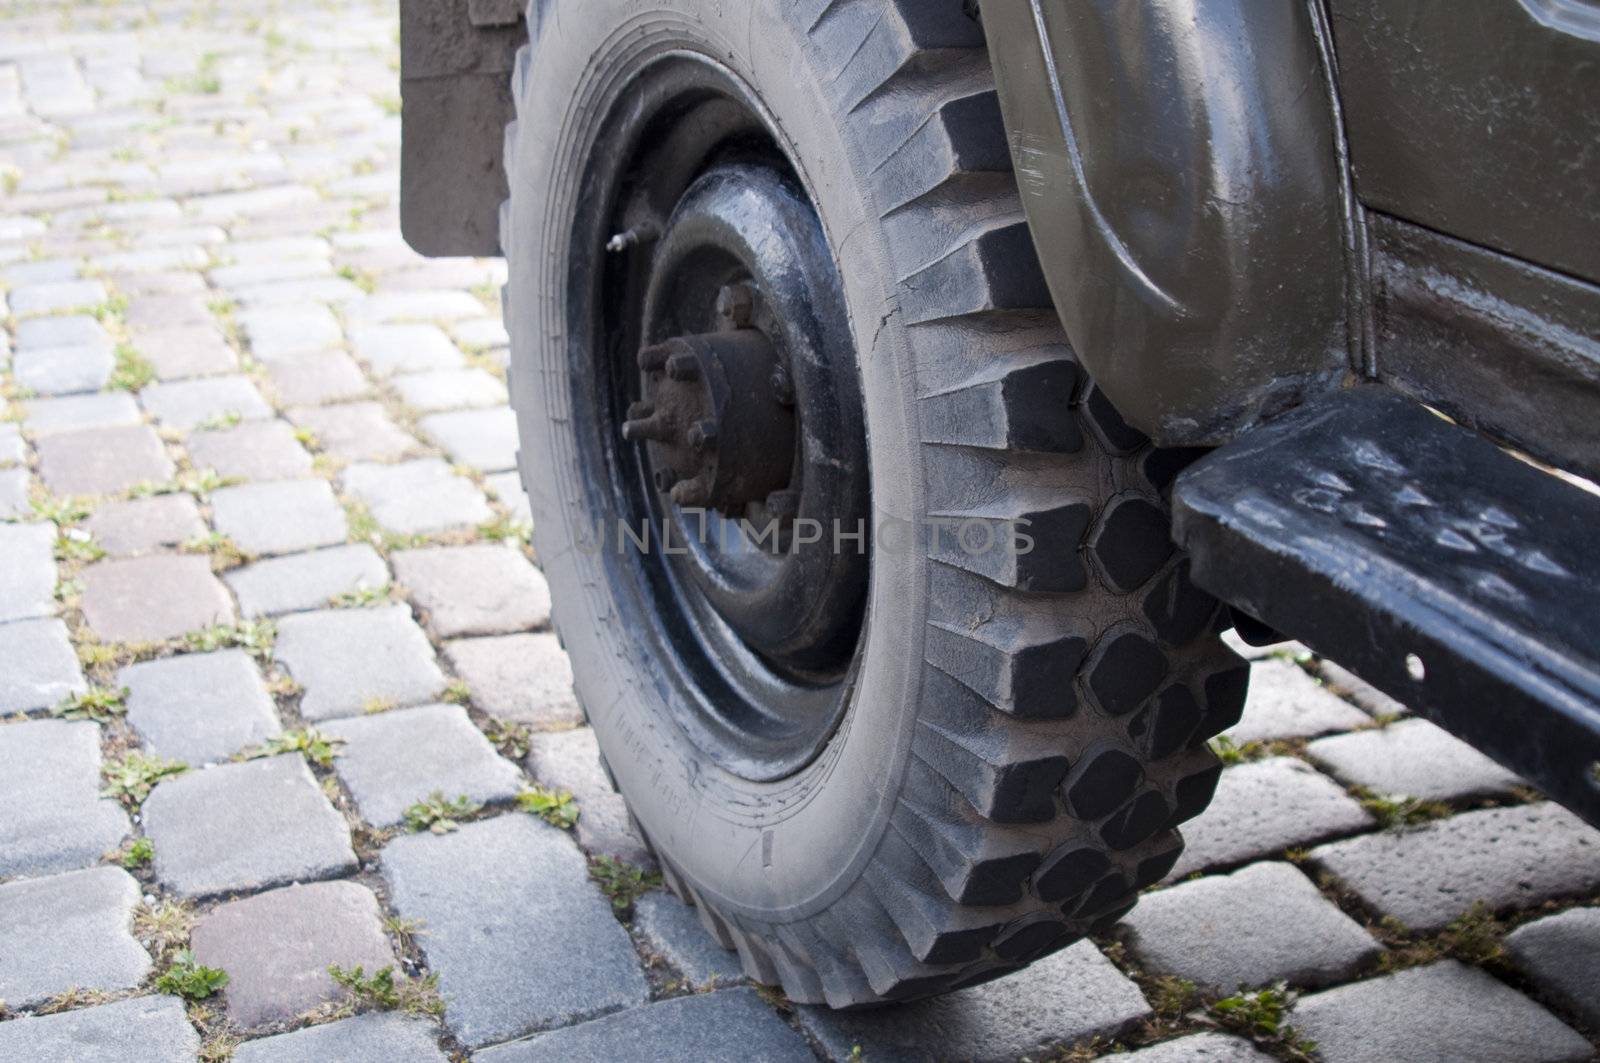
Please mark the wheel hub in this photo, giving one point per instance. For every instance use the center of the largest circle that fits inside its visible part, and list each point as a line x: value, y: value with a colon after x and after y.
x: 720, y: 433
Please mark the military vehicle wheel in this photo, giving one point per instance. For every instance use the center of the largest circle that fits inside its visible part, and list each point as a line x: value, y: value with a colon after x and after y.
x: 767, y: 263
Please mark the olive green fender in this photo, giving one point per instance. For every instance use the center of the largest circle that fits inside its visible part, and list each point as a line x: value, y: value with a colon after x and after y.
x: 1181, y: 163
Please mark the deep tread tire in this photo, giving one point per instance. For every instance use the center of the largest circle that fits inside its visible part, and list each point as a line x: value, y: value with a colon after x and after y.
x: 1058, y: 721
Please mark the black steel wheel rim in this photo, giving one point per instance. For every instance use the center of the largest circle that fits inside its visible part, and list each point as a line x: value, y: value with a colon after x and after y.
x: 722, y: 421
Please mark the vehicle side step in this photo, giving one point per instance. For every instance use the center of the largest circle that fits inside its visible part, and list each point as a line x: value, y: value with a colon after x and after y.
x: 1417, y: 554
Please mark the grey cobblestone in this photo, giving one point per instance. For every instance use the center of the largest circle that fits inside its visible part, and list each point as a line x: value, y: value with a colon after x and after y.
x: 50, y: 788
x: 279, y: 517
x: 394, y: 759
x: 72, y: 331
x: 63, y: 370
x: 186, y: 404
x: 253, y: 450
x: 483, y: 589
x: 151, y: 1029
x: 377, y: 1037
x: 1262, y: 924
x: 356, y: 431
x: 1199, y: 1048
x: 315, y: 379
x: 179, y: 352
x: 350, y: 660
x: 417, y: 497
x: 66, y: 931
x: 1071, y: 996
x: 570, y: 760
x: 1412, y: 757
x: 1284, y: 702
x: 199, y: 707
x: 12, y: 449
x: 672, y: 930
x: 1442, y: 1013
x: 486, y: 440
x: 146, y: 599
x: 245, y: 827
x: 305, y: 581
x: 518, y: 677
x: 274, y: 333
x: 391, y: 349
x: 1507, y: 857
x: 56, y: 297
x: 506, y: 488
x: 143, y: 524
x: 103, y: 461
x: 449, y: 389
x: 731, y: 1026
x: 1560, y: 954
x: 389, y: 307
x: 1263, y: 808
x: 470, y: 889
x: 277, y: 946
x: 42, y: 417
x: 13, y: 493
x: 27, y: 571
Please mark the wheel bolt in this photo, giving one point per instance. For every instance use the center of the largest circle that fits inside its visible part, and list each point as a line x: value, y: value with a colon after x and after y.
x: 702, y: 433
x: 654, y: 357
x: 683, y: 366
x: 736, y: 304
x: 782, y: 386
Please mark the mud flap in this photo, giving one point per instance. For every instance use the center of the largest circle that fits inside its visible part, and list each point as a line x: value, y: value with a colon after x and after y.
x: 456, y: 58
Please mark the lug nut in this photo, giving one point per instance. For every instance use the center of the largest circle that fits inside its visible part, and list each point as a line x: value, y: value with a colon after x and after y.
x: 702, y: 434
x: 652, y: 358
x: 736, y: 304
x: 691, y: 492
x: 782, y: 386
x: 683, y: 366
x: 648, y: 428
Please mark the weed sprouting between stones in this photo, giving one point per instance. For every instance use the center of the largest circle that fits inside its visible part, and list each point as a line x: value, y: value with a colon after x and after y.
x: 190, y: 980
x: 1259, y: 1015
x: 361, y: 598
x: 1398, y: 811
x: 385, y: 991
x: 555, y: 807
x: 225, y: 554
x: 132, y: 370
x: 100, y: 704
x: 439, y: 814
x: 254, y: 636
x: 622, y: 882
x: 319, y: 748
x: 512, y: 739
x: 131, y: 778
x: 135, y: 854
x: 75, y: 544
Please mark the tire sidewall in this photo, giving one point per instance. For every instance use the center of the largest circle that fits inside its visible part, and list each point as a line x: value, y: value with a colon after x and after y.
x: 771, y: 852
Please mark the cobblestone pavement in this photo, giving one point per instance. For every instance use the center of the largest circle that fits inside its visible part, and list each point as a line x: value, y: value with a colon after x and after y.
x: 265, y: 581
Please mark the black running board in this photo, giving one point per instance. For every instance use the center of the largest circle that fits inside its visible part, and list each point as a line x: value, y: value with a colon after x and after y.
x: 1445, y: 572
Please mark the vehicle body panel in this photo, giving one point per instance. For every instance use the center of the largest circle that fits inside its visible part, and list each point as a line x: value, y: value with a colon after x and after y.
x: 1179, y: 161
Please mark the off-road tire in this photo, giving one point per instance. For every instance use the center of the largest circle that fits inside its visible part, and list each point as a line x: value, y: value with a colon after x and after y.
x: 1030, y: 730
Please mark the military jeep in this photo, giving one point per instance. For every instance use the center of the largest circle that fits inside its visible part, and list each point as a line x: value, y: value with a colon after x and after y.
x: 911, y: 394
